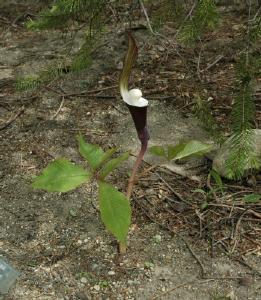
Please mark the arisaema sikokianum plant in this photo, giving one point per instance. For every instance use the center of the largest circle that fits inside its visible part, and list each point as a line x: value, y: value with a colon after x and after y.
x: 61, y: 175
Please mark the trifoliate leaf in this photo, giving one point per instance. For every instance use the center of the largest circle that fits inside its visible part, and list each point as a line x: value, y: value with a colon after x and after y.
x: 94, y: 154
x: 115, y: 211
x: 113, y: 164
x: 61, y: 176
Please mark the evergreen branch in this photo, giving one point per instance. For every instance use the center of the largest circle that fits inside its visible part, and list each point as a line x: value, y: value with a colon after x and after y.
x: 83, y: 59
x: 205, y: 17
x: 59, y: 15
x: 243, y: 110
x: 52, y: 18
x: 241, y: 153
x: 27, y: 83
x: 47, y: 75
x: 62, y: 11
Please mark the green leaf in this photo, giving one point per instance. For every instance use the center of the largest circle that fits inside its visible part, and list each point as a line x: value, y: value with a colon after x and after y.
x: 109, y: 153
x: 115, y: 211
x: 182, y: 150
x: 157, y: 150
x: 113, y: 164
x: 93, y: 153
x: 61, y: 176
x: 193, y: 148
x: 252, y: 198
x: 174, y: 150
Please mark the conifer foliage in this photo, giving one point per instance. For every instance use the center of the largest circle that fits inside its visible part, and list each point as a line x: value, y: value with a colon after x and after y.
x: 64, y: 11
x: 242, y: 152
x: 205, y: 17
x: 61, y: 14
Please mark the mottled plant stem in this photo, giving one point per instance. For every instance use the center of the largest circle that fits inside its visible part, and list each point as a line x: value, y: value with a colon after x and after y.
x: 136, y: 167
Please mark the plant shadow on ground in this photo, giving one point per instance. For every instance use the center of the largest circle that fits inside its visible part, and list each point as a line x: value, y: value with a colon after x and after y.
x: 177, y: 249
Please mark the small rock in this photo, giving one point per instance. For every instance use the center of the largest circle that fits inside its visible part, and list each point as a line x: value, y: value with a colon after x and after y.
x: 157, y: 238
x: 161, y: 49
x: 231, y: 295
x: 97, y: 287
x: 237, y: 26
x: 150, y: 191
x: 94, y: 267
x: 111, y: 273
x: 84, y: 280
x: 82, y: 296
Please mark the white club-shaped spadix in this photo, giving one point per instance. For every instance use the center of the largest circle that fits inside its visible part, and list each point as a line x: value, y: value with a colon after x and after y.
x: 134, y: 97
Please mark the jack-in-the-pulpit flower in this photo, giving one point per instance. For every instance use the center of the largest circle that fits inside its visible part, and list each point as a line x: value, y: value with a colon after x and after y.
x: 133, y: 98
x: 136, y: 103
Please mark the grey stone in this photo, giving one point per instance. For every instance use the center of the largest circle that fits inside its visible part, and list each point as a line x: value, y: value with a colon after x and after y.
x: 8, y: 276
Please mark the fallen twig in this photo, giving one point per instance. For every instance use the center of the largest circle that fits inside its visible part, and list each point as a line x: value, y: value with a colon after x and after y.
x: 236, y: 231
x: 173, y: 289
x: 59, y: 109
x: 83, y: 93
x: 256, y: 214
x: 203, y: 270
x: 148, y: 20
x: 198, y: 62
x: 119, y: 110
x: 172, y: 190
x: 13, y: 118
x: 213, y: 63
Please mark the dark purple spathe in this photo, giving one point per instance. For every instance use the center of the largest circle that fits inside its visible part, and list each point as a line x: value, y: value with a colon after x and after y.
x: 139, y: 116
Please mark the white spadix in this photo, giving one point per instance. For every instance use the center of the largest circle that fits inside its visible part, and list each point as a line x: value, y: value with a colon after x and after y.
x: 133, y: 97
